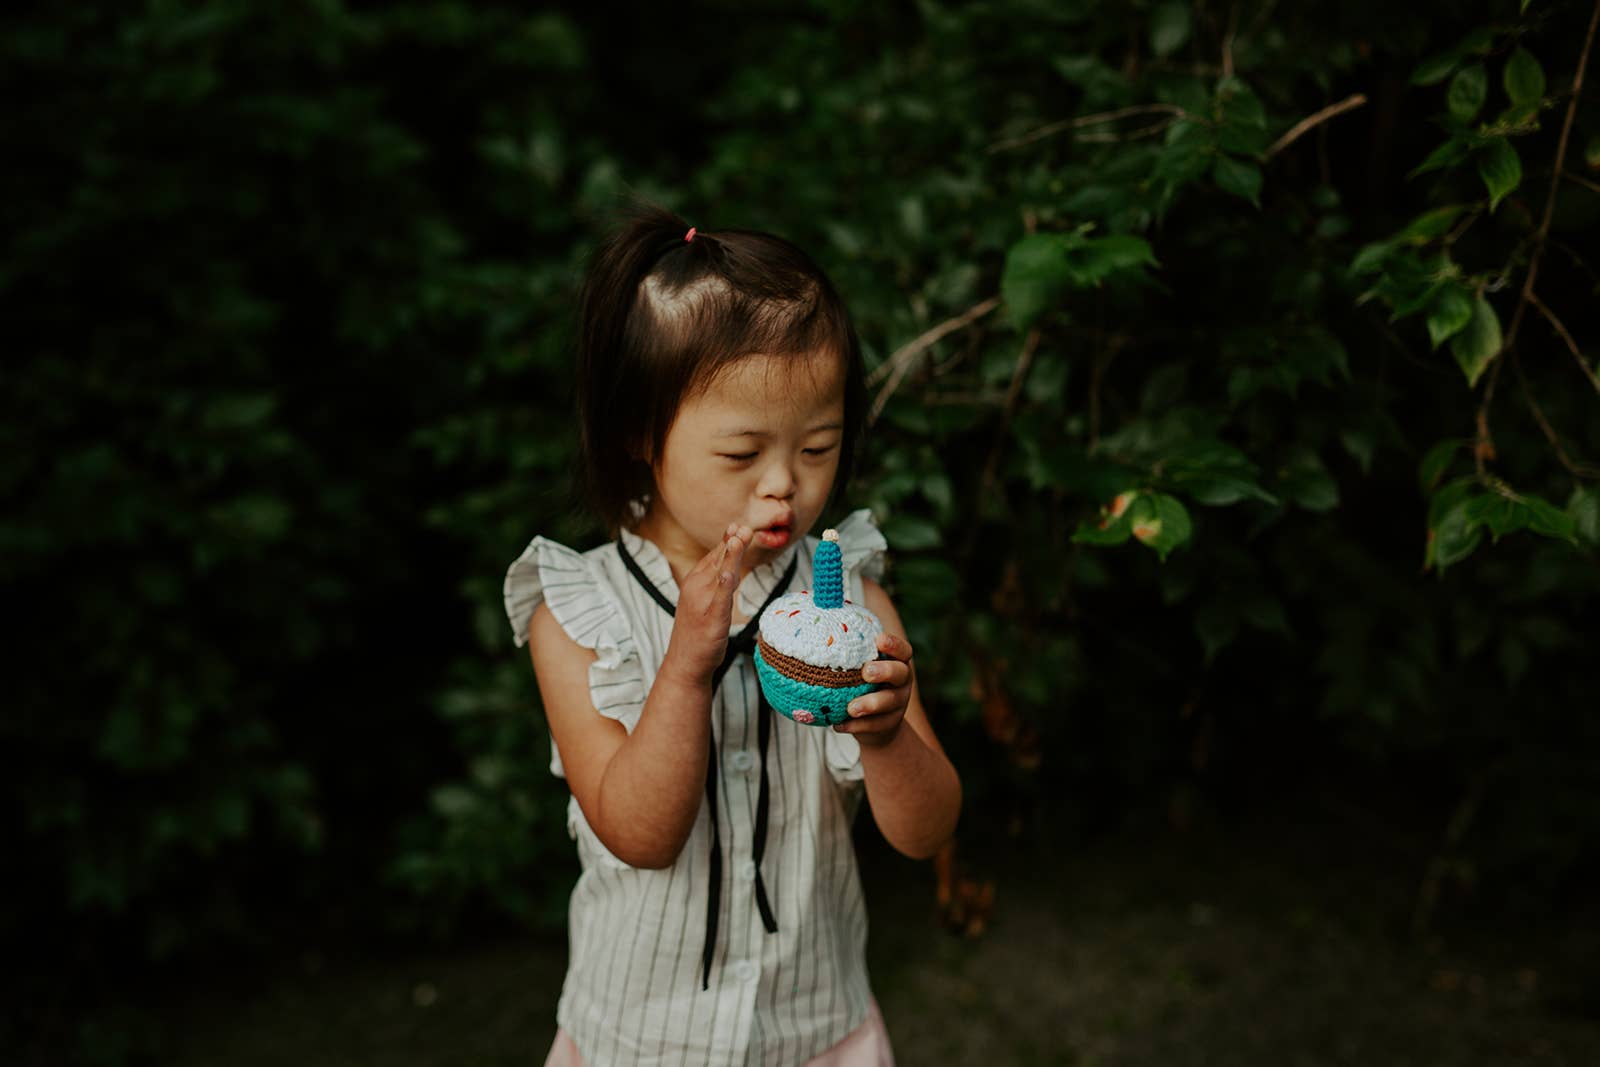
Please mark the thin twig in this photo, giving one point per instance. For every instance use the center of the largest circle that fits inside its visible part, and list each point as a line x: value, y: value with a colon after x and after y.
x: 1578, y: 470
x: 1132, y: 135
x: 898, y: 365
x: 1572, y: 346
x: 1555, y: 181
x: 1227, y: 41
x: 1447, y: 857
x: 1483, y: 444
x: 1019, y: 375
x: 1484, y: 448
x: 1096, y: 119
x: 1299, y: 129
x: 1581, y: 180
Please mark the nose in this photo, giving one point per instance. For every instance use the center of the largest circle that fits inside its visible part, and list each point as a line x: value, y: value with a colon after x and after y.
x: 778, y: 479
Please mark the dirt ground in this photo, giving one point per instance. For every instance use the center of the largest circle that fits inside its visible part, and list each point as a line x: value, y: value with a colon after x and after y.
x: 1281, y: 940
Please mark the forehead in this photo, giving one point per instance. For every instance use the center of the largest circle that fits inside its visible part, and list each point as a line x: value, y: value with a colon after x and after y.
x: 772, y: 387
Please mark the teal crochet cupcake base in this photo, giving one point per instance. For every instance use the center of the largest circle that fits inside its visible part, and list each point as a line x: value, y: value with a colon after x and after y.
x: 813, y: 705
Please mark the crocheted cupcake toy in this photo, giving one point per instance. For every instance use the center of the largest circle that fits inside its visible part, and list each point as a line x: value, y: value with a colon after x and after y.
x: 814, y: 643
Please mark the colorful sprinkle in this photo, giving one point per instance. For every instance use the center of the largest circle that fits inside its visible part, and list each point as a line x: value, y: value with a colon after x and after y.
x: 830, y: 640
x: 846, y: 626
x: 793, y: 613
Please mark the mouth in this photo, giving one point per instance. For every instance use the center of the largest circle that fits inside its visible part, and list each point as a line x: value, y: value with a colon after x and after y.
x: 775, y: 536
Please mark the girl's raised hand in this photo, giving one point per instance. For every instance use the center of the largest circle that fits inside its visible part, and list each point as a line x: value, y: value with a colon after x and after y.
x: 876, y: 717
x: 705, y: 609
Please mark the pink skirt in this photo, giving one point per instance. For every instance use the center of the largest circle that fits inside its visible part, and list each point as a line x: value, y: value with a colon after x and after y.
x: 865, y: 1046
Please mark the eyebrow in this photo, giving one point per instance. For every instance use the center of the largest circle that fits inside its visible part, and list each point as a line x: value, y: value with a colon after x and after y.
x: 763, y: 433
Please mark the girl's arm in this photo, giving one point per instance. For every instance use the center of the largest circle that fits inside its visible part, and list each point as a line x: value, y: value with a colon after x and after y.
x: 912, y: 786
x: 641, y: 792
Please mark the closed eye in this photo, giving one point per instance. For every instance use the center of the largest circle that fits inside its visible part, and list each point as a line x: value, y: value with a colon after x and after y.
x: 742, y: 456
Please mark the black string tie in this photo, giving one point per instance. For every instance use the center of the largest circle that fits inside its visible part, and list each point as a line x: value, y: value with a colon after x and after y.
x: 743, y: 642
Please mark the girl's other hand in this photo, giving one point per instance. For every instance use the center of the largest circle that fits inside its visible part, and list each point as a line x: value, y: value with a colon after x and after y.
x: 705, y: 609
x: 876, y: 717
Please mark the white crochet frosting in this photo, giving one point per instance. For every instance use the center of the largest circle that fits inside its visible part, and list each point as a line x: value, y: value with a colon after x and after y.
x: 844, y: 637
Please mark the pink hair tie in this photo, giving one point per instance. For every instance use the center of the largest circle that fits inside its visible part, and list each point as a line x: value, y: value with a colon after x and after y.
x: 690, y: 235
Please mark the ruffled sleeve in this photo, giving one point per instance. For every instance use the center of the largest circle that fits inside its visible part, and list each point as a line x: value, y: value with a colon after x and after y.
x: 588, y: 610
x: 863, y: 554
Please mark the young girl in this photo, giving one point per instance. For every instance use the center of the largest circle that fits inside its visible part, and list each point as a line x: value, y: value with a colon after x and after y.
x: 719, y: 916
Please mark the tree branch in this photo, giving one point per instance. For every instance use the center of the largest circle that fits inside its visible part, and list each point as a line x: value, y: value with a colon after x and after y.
x: 1572, y: 346
x: 1227, y: 41
x: 1484, y: 448
x: 1301, y: 128
x: 1483, y: 445
x: 1555, y: 182
x: 1092, y: 120
x: 1018, y: 376
x: 1578, y: 470
x: 898, y: 365
x: 1593, y: 187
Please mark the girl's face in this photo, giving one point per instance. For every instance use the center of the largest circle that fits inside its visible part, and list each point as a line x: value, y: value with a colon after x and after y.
x: 760, y: 446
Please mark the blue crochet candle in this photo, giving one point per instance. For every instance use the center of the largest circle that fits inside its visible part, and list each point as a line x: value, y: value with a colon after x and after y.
x: 814, y: 643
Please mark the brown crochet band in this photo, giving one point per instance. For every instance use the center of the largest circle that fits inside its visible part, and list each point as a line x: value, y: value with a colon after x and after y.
x: 809, y: 673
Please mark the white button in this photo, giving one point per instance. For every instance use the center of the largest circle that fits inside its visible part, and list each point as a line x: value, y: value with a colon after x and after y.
x: 745, y: 971
x: 747, y: 871
x: 742, y: 761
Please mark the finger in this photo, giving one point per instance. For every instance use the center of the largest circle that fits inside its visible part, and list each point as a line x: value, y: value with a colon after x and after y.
x: 880, y: 702
x: 873, y: 724
x: 713, y: 559
x: 895, y: 645
x: 887, y: 672
x: 735, y: 546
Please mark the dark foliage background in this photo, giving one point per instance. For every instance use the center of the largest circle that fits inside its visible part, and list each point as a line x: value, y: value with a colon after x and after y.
x: 1238, y: 449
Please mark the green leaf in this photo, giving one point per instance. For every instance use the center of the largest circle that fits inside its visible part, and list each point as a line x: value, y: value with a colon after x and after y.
x: 1435, y: 462
x: 1435, y: 68
x: 1468, y: 89
x: 1438, y: 66
x: 1449, y: 315
x: 907, y: 533
x: 1238, y: 177
x: 1523, y: 78
x: 1430, y: 224
x: 1122, y: 250
x: 1169, y: 28
x: 1584, y: 510
x: 1499, y: 513
x: 1453, y: 538
x: 1264, y: 611
x: 1448, y: 154
x: 1216, y: 622
x: 1092, y: 261
x: 1113, y: 525
x: 1370, y: 258
x: 1479, y: 342
x: 1591, y: 153
x: 1036, y: 275
x: 1305, y: 479
x: 1500, y: 168
x: 1160, y: 522
x: 1544, y: 517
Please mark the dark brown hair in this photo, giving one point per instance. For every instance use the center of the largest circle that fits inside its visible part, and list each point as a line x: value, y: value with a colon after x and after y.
x: 660, y: 317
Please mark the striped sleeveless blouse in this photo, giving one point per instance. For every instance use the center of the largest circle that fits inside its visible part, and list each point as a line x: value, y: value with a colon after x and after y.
x: 633, y: 990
